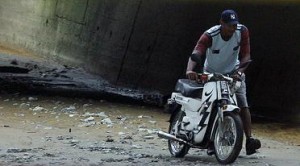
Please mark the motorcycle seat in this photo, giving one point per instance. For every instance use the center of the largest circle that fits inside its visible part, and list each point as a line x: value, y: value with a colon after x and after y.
x: 189, y: 88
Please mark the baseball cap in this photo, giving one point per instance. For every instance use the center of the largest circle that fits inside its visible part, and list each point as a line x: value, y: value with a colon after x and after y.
x: 229, y: 17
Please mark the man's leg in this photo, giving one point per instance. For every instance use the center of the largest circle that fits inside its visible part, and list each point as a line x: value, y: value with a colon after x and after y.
x: 251, y: 144
x: 246, y: 118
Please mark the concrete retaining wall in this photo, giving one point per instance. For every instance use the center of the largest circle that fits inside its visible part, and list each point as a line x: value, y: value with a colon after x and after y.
x: 146, y: 44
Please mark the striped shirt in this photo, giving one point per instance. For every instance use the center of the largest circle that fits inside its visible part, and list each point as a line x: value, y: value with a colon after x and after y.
x: 223, y: 56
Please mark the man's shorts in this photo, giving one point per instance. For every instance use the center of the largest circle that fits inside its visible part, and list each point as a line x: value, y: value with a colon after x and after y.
x: 241, y: 94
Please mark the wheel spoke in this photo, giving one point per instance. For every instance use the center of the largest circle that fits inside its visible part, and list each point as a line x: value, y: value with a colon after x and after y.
x: 177, y: 149
x: 226, y: 139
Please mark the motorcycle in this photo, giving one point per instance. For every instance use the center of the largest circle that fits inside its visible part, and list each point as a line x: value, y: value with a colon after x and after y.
x: 205, y: 115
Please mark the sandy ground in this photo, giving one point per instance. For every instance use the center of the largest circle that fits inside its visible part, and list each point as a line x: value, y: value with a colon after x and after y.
x: 54, y: 130
x: 51, y: 130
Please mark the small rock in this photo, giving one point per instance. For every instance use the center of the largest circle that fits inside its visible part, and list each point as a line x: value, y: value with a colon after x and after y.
x: 136, y: 147
x: 148, y: 137
x: 152, y: 122
x: 87, y: 124
x: 32, y: 98
x: 83, y: 159
x: 106, y: 121
x: 74, y: 141
x: 102, y: 114
x: 15, y: 150
x: 86, y: 105
x: 89, y: 119
x: 152, y: 131
x: 144, y: 116
x: 47, y: 138
x: 38, y: 108
x: 138, y: 155
x: 24, y: 106
x: 14, y: 62
x: 69, y: 109
x: 142, y: 129
x: 58, y: 102
x: 49, y: 155
x: 143, y: 126
x: 121, y: 133
x: 71, y: 115
x: 127, y: 137
x: 48, y: 128
x: 110, y: 140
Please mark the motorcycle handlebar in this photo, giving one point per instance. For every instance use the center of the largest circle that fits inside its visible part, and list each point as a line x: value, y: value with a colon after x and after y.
x: 204, y: 77
x: 229, y: 79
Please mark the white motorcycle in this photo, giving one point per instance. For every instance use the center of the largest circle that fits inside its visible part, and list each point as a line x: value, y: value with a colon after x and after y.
x: 205, y: 115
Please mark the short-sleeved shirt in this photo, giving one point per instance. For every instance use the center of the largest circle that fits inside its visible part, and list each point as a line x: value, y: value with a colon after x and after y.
x: 223, y: 56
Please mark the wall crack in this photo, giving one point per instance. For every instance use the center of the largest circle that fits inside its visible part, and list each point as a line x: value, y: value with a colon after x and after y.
x: 128, y: 41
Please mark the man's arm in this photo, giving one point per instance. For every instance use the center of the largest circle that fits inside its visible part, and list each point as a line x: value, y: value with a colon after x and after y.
x: 198, y: 52
x: 245, y: 48
x: 191, y: 65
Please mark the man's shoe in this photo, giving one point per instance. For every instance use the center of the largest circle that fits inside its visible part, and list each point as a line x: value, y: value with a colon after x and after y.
x: 252, y: 145
x: 210, y: 150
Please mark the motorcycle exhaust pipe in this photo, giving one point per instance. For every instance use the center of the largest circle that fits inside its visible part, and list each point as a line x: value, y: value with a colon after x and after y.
x: 168, y: 136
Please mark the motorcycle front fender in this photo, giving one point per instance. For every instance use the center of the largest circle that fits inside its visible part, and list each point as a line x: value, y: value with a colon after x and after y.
x: 219, y: 117
x: 227, y: 108
x: 230, y: 108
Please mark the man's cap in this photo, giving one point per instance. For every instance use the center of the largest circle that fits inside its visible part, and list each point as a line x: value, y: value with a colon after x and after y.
x: 229, y: 17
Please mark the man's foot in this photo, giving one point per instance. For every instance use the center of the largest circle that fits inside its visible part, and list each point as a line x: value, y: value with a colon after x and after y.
x: 252, y: 145
x: 211, y: 149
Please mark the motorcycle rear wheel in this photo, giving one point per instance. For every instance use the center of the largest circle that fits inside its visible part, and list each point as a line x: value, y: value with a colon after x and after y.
x: 177, y: 149
x: 228, y: 139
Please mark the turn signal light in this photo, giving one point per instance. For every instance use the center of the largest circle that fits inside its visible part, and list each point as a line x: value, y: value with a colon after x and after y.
x: 204, y: 77
x: 224, y: 107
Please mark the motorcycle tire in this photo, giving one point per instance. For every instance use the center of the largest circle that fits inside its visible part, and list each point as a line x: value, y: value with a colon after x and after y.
x: 231, y: 137
x: 177, y: 149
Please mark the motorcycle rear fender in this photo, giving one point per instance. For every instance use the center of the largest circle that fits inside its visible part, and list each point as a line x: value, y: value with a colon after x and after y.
x: 175, y: 109
x: 187, y: 103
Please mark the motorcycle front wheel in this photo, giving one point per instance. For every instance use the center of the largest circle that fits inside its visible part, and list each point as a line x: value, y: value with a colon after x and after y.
x: 228, y: 139
x: 177, y: 149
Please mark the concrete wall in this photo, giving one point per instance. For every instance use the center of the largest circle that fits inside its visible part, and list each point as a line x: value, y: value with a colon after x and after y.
x: 146, y: 43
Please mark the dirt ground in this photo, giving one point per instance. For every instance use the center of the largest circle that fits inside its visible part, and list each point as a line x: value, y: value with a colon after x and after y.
x: 54, y: 130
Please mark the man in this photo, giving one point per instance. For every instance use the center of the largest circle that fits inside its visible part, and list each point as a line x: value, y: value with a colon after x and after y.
x: 226, y: 46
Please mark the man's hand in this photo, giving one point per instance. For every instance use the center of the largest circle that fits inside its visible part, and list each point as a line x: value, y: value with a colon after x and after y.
x: 237, y: 76
x: 191, y: 75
